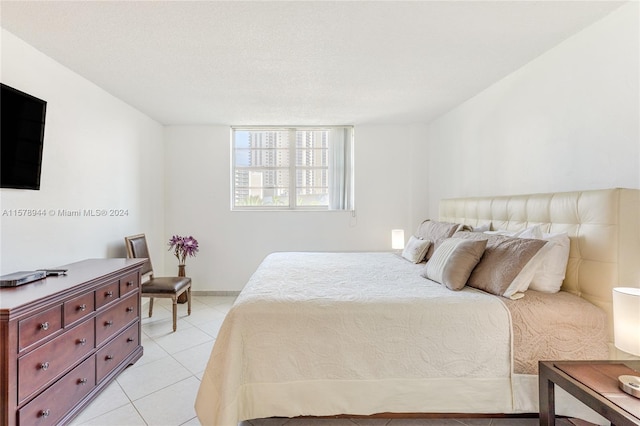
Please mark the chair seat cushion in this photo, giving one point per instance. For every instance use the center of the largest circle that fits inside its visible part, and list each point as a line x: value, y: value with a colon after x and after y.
x: 169, y: 285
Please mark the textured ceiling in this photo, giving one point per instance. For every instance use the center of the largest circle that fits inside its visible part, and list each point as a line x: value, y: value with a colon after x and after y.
x: 303, y: 62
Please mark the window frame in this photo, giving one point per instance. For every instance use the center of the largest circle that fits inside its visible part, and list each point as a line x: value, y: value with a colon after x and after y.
x: 293, y: 169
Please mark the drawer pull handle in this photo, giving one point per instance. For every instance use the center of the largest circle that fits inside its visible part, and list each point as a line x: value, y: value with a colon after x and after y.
x: 108, y: 357
x: 108, y: 323
x: 129, y: 308
x: 45, y: 413
x: 82, y: 381
x: 82, y: 307
x: 129, y: 339
x: 109, y: 294
x: 82, y: 341
x: 129, y: 283
x: 44, y: 326
x: 44, y: 366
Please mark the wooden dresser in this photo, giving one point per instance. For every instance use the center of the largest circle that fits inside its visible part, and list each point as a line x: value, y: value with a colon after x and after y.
x: 63, y: 339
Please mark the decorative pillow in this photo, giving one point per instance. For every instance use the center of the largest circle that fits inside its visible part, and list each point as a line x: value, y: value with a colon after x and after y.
x: 453, y: 261
x: 508, y: 264
x: 550, y: 273
x: 416, y: 249
x: 436, y: 232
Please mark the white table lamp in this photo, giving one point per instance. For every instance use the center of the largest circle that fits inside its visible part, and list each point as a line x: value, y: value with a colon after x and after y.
x: 397, y: 239
x: 626, y: 331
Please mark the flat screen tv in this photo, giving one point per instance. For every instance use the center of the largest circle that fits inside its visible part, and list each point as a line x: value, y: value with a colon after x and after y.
x: 22, y: 136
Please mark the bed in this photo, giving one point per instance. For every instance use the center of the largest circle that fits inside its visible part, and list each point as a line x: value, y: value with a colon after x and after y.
x: 319, y: 334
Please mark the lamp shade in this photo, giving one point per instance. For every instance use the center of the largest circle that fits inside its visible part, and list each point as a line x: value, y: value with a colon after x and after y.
x: 397, y: 239
x: 626, y: 319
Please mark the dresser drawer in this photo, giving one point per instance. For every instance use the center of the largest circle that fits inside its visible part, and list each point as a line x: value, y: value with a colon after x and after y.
x: 116, y: 351
x: 43, y: 365
x: 50, y: 406
x: 116, y: 317
x: 107, y: 293
x: 48, y: 352
x: 78, y: 308
x: 37, y: 327
x: 129, y: 283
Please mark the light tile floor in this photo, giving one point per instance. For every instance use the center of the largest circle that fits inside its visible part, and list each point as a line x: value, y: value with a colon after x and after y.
x: 160, y: 389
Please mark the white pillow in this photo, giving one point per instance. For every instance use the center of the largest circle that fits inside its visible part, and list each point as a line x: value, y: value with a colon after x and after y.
x: 550, y: 274
x: 524, y: 280
x: 532, y: 232
x: 482, y: 228
x: 507, y: 265
x: 551, y: 268
x: 416, y: 249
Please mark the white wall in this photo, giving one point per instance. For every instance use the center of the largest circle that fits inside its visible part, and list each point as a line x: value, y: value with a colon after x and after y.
x: 569, y: 120
x: 233, y: 243
x: 99, y: 153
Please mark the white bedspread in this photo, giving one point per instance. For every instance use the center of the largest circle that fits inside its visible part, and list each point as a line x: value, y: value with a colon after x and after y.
x: 355, y: 333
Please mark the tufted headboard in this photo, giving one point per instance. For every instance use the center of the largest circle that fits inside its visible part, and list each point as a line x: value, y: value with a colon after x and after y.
x: 603, y: 225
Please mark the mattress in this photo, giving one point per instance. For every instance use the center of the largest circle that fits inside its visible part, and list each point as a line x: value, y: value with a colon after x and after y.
x: 320, y: 334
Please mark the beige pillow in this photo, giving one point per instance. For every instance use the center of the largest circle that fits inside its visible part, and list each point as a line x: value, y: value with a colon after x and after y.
x: 416, y: 249
x: 453, y: 261
x: 507, y: 265
x: 436, y: 232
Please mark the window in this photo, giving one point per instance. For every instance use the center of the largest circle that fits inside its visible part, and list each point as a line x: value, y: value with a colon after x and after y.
x: 301, y: 168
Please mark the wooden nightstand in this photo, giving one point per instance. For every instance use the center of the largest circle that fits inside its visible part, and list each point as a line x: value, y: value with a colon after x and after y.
x: 595, y: 383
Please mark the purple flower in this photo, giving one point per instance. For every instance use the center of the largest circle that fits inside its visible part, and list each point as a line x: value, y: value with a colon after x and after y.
x: 183, y: 247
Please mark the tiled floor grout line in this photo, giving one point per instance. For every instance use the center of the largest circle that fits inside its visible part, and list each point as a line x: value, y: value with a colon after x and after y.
x: 139, y: 413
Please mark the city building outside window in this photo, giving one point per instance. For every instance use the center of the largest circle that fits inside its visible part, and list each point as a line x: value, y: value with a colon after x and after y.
x: 292, y: 168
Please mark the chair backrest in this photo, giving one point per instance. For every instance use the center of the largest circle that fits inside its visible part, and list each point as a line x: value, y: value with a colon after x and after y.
x: 137, y: 248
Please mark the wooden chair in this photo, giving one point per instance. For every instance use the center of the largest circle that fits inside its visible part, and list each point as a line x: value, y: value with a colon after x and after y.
x: 168, y: 287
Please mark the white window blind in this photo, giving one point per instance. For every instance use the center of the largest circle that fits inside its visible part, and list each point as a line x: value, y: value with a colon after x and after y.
x: 292, y: 168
